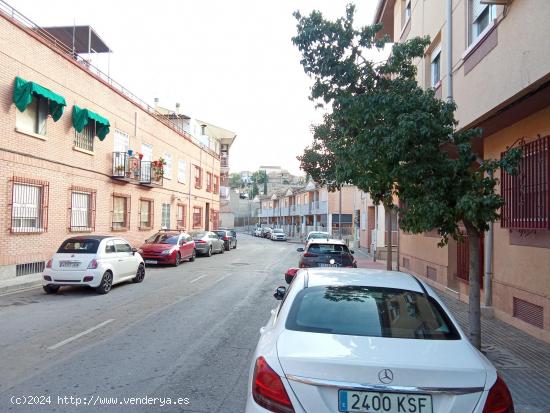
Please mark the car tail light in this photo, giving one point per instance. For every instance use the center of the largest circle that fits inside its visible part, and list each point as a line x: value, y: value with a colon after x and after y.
x: 309, y: 254
x: 49, y: 264
x: 93, y: 264
x: 268, y: 389
x: 226, y: 238
x: 499, y: 399
x: 292, y: 271
x: 200, y: 241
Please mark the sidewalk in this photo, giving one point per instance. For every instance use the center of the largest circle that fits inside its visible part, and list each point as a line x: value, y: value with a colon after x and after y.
x: 522, y: 360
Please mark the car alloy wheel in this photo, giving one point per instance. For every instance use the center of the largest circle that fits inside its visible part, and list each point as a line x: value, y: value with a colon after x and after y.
x: 178, y: 260
x: 209, y: 253
x: 140, y: 274
x: 106, y: 283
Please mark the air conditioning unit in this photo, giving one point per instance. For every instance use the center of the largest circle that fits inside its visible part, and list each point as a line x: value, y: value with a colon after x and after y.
x: 500, y: 2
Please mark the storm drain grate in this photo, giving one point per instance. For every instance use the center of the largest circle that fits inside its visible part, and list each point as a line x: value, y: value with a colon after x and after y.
x: 239, y: 264
x: 501, y: 358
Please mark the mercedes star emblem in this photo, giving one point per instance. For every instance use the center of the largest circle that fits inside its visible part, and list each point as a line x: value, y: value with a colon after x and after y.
x: 385, y: 376
x: 332, y: 261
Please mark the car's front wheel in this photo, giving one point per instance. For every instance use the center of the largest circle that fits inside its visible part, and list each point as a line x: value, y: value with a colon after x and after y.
x: 106, y: 283
x: 178, y: 260
x: 140, y: 274
x: 193, y: 255
x: 235, y: 247
x: 227, y: 245
x: 51, y: 289
x: 209, y: 253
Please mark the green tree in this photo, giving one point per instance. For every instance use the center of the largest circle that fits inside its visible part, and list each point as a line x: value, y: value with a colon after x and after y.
x: 254, y: 191
x: 393, y: 139
x: 235, y: 180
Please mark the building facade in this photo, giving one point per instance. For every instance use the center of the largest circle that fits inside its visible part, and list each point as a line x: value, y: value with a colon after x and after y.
x: 79, y: 155
x: 492, y: 60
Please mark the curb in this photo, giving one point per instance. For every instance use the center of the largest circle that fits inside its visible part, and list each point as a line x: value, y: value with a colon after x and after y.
x: 13, y: 288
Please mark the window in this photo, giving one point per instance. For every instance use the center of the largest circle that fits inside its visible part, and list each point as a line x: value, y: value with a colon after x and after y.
x: 435, y: 66
x: 33, y: 119
x: 82, y: 211
x: 29, y: 208
x: 79, y: 246
x: 181, y: 171
x: 181, y: 217
x: 110, y: 247
x: 208, y: 182
x: 121, y: 212
x: 198, y: 177
x: 85, y: 139
x: 197, y: 217
x: 216, y: 184
x: 122, y: 246
x: 147, y: 151
x: 370, y: 312
x: 121, y: 141
x: 165, y: 216
x: 526, y: 195
x: 145, y: 213
x: 480, y: 17
x: 406, y: 11
x: 214, y: 217
x: 168, y: 166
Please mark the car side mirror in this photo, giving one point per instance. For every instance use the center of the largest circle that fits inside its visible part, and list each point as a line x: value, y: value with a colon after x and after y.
x: 134, y: 250
x: 352, y: 251
x: 300, y: 249
x: 280, y: 293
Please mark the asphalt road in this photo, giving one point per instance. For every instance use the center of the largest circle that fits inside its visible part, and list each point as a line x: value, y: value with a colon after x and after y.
x: 185, y: 333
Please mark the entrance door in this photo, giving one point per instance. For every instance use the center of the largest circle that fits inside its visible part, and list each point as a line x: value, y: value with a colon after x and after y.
x: 207, y: 217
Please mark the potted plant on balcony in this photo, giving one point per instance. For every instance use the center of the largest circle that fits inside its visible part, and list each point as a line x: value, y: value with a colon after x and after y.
x: 119, y: 169
x: 158, y: 169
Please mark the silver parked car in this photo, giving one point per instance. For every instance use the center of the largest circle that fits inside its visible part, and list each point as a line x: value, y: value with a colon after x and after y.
x: 207, y: 243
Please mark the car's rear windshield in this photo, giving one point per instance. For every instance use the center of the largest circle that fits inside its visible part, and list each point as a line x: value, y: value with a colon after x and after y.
x: 197, y: 234
x: 371, y: 312
x: 221, y: 233
x: 328, y: 249
x: 278, y: 230
x: 171, y: 239
x: 79, y: 246
x: 318, y: 235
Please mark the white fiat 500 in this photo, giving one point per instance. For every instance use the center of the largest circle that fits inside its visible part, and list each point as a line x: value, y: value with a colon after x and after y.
x: 358, y: 340
x: 93, y: 261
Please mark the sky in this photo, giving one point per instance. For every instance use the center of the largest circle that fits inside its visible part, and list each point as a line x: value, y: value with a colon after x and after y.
x: 227, y: 62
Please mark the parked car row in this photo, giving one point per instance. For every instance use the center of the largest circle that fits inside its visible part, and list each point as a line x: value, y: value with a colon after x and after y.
x: 101, y: 261
x: 274, y: 234
x: 344, y: 339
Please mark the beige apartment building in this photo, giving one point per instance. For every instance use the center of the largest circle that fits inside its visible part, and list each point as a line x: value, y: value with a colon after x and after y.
x: 81, y: 155
x: 493, y: 59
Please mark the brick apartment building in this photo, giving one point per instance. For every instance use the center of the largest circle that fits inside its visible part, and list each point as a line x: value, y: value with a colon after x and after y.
x: 492, y: 60
x: 80, y: 155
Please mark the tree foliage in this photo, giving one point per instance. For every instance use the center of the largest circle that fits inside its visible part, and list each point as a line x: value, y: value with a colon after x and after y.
x: 235, y: 180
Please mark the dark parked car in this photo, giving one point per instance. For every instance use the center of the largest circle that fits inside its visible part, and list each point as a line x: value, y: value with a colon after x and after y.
x: 266, y: 232
x: 229, y: 241
x: 326, y: 253
x: 207, y: 243
x: 233, y: 234
x: 168, y: 247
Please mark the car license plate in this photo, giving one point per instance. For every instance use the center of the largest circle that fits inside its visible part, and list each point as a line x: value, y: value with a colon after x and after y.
x: 376, y: 402
x: 329, y: 265
x: 150, y: 261
x: 71, y: 264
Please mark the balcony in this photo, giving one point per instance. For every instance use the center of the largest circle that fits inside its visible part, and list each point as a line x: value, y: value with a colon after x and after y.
x: 132, y: 169
x: 224, y: 161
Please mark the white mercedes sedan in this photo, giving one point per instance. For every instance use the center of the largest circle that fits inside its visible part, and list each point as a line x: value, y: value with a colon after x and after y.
x: 358, y: 340
x: 94, y: 261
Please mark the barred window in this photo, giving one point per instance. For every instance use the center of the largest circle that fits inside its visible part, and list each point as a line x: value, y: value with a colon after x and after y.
x: 198, y: 177
x: 29, y: 208
x: 181, y: 218
x: 85, y: 139
x: 214, y: 217
x: 526, y: 195
x: 165, y: 216
x: 209, y: 182
x: 145, y: 213
x: 82, y: 211
x: 197, y: 217
x: 121, y: 212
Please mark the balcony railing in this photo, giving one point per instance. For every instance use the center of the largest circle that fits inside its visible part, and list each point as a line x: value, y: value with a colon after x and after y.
x: 131, y: 169
x: 224, y: 162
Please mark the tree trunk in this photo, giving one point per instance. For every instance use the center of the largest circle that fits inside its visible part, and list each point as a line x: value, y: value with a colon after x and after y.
x: 389, y: 258
x: 474, y: 317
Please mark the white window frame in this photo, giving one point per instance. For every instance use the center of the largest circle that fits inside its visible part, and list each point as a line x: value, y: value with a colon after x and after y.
x: 121, y: 141
x: 407, y: 11
x: 435, y: 55
x: 165, y: 216
x: 85, y: 139
x: 121, y: 214
x: 168, y: 167
x: 181, y: 171
x: 80, y: 210
x: 27, y: 207
x: 149, y: 215
x: 36, y: 114
x: 474, y: 22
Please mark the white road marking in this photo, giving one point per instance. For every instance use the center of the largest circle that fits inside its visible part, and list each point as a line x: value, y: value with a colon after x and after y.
x: 76, y: 336
x: 197, y: 279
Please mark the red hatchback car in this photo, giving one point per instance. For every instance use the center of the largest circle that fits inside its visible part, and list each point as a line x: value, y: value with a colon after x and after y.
x: 168, y: 247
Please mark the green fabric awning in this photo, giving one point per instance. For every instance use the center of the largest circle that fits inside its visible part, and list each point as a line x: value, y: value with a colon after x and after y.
x: 23, y: 92
x: 81, y: 117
